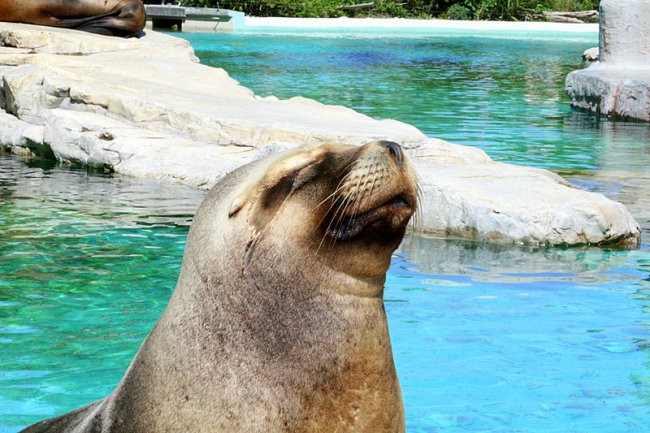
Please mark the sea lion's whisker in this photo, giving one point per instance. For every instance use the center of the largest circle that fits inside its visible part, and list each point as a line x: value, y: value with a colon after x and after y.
x: 362, y: 193
x: 340, y: 211
x: 374, y: 181
x: 368, y: 176
x: 343, y: 201
x: 339, y: 198
x: 339, y: 214
x: 336, y: 191
x: 329, y: 225
x: 329, y: 209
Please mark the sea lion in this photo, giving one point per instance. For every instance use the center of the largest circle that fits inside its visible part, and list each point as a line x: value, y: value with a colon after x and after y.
x: 277, y: 322
x: 124, y: 18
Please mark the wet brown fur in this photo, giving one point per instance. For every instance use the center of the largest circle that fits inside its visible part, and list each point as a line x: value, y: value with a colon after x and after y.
x: 274, y: 326
x: 125, y: 18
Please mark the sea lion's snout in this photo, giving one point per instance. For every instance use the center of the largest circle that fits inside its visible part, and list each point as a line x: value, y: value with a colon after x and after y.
x: 376, y: 197
x: 394, y: 149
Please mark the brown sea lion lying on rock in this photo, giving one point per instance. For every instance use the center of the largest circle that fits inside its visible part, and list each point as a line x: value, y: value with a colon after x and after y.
x: 125, y: 18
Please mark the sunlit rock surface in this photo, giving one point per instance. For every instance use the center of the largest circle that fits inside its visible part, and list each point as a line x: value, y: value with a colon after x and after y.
x: 619, y: 83
x: 590, y: 54
x: 147, y: 108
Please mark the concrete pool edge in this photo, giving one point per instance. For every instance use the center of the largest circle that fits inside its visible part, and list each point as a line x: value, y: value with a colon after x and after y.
x: 147, y: 108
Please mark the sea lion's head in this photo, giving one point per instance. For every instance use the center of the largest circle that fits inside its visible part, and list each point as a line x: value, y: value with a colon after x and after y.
x: 334, y: 211
x: 277, y: 321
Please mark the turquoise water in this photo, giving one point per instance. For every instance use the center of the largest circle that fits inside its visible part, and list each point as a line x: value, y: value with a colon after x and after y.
x: 503, y: 95
x: 486, y: 338
x: 87, y: 264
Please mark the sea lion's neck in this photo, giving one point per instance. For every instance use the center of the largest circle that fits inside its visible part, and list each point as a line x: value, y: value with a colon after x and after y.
x: 268, y: 334
x: 322, y: 355
x: 276, y: 310
x: 287, y: 316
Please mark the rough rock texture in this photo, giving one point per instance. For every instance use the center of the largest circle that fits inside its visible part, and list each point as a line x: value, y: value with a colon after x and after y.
x: 147, y: 108
x: 624, y: 28
x: 618, y: 85
x: 615, y: 90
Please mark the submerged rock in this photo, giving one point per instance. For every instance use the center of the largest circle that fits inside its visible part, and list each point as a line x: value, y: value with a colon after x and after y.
x: 147, y: 108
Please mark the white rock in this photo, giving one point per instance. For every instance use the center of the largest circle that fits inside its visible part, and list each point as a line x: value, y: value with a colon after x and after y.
x: 619, y: 84
x: 19, y: 137
x: 614, y: 90
x: 474, y: 201
x: 624, y: 32
x: 591, y: 54
x: 146, y: 108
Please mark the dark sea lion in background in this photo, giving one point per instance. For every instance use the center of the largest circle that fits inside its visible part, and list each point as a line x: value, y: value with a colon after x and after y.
x: 277, y: 323
x: 125, y: 18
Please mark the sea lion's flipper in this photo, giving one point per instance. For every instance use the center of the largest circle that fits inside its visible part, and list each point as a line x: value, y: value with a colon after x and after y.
x: 128, y: 20
x: 82, y: 417
x: 108, y: 24
x: 77, y: 23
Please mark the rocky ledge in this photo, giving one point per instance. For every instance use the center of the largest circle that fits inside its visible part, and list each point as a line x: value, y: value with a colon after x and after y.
x: 147, y: 108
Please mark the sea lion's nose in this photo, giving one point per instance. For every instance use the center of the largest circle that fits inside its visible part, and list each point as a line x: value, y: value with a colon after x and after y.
x: 394, y: 149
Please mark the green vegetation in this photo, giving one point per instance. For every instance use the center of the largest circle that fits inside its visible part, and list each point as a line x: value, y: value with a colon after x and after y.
x: 452, y: 9
x: 458, y: 12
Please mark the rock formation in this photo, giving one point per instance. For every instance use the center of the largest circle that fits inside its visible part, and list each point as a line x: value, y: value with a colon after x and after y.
x: 619, y: 83
x: 147, y: 108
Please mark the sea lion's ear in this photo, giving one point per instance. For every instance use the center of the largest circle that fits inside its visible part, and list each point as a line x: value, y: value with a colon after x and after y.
x: 236, y: 206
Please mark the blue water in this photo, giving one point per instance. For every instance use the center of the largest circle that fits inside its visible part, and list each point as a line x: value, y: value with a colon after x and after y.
x: 486, y: 338
x: 510, y: 341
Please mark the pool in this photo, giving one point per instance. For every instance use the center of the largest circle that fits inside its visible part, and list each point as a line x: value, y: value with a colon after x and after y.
x: 486, y: 338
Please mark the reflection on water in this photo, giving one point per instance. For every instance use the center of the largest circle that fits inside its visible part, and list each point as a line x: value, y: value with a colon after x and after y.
x: 124, y: 201
x: 617, y: 146
x: 622, y: 152
x: 507, y: 264
x: 87, y: 263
